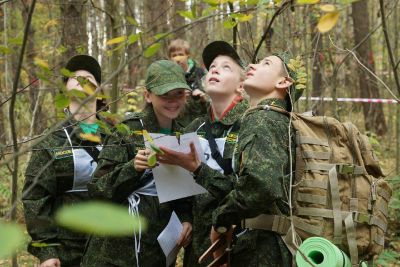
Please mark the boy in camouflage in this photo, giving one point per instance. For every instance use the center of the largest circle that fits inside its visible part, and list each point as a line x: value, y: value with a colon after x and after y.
x: 224, y: 85
x: 196, y: 106
x: 124, y: 176
x: 263, y: 161
x: 58, y: 171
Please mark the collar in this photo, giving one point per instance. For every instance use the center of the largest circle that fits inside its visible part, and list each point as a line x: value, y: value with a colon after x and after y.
x: 281, y: 103
x: 232, y: 113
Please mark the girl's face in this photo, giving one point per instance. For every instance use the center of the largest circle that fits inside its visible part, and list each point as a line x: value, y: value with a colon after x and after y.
x: 73, y: 83
x: 265, y: 76
x: 223, y: 77
x: 169, y: 105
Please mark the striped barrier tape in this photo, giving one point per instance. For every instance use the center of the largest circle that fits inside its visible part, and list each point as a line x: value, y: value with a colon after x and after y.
x: 343, y: 99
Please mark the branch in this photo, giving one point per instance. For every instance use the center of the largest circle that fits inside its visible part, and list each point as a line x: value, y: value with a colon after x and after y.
x: 11, y: 111
x: 4, y: 1
x: 276, y: 14
x: 389, y: 48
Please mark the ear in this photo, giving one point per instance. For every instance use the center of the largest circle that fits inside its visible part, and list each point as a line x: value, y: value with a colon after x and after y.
x: 147, y: 96
x: 240, y: 89
x: 284, y: 82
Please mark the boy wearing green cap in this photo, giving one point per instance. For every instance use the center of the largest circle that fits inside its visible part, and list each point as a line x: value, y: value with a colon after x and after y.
x: 60, y: 168
x: 263, y: 162
x: 124, y: 176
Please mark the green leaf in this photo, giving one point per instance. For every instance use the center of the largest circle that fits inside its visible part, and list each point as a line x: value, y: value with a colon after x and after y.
x: 132, y: 21
x: 5, y: 50
x: 41, y: 63
x: 186, y: 14
x: 15, y: 41
x: 160, y: 35
x: 229, y: 23
x: 133, y: 38
x: 151, y: 50
x: 77, y: 93
x: 106, y: 129
x: 252, y: 2
x: 208, y: 11
x: 123, y: 128
x: 309, y: 2
x: 152, y: 159
x: 156, y: 149
x: 212, y: 2
x: 116, y: 40
x: 345, y: 2
x: 43, y: 245
x: 11, y: 238
x: 61, y: 101
x: 67, y: 73
x: 99, y: 218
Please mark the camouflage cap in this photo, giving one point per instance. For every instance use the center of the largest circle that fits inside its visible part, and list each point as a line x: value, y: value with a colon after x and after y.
x: 164, y: 76
x: 296, y: 70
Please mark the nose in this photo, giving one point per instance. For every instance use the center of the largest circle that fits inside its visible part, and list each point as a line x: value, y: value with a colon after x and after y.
x: 214, y: 70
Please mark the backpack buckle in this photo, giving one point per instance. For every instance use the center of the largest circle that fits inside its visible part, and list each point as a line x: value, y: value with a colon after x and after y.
x: 346, y: 168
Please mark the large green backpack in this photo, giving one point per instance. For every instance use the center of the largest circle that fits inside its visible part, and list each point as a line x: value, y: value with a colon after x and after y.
x: 338, y: 192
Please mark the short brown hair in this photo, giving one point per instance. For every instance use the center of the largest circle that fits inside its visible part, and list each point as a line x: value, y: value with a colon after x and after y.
x: 178, y: 44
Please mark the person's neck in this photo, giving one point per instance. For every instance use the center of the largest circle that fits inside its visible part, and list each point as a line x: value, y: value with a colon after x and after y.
x: 164, y: 122
x: 86, y: 113
x: 220, y: 103
x: 255, y: 99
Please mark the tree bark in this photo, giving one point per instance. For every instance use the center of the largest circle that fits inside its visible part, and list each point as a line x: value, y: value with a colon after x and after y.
x: 73, y: 27
x: 317, y: 67
x: 373, y: 112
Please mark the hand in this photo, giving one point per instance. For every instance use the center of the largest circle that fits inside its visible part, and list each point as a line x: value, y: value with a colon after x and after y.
x: 186, y: 235
x: 214, y: 236
x: 200, y: 94
x: 140, y: 161
x: 189, y: 161
x: 51, y: 263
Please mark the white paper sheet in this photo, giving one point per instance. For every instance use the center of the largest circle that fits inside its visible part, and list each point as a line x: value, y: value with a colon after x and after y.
x: 174, y: 182
x: 168, y: 238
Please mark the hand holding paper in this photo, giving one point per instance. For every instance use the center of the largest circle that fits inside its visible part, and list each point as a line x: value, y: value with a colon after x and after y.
x: 189, y: 161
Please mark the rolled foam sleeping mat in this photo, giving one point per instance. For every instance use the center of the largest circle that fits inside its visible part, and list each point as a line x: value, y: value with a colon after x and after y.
x: 322, y: 253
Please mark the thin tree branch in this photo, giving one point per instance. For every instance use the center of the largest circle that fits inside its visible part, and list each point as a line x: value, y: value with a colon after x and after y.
x: 276, y: 14
x: 389, y: 47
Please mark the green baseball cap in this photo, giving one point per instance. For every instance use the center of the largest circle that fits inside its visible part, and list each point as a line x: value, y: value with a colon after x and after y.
x: 164, y: 76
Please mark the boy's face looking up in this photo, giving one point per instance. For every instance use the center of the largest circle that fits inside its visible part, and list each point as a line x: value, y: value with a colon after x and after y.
x: 266, y: 77
x: 224, y: 77
x: 180, y: 57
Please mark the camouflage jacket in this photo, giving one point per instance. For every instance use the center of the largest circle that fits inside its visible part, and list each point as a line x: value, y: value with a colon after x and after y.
x: 261, y: 183
x: 194, y: 107
x: 115, y: 179
x: 50, y: 184
x: 204, y: 204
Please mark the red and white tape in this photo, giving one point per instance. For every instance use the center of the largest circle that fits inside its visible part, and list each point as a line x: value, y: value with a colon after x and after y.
x: 342, y: 99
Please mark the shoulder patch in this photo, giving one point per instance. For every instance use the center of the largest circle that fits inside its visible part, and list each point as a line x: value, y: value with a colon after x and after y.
x: 59, y: 153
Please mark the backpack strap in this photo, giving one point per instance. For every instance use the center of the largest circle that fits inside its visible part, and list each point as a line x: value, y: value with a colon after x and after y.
x: 225, y: 164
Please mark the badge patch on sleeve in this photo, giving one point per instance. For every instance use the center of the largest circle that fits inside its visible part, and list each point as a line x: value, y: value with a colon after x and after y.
x: 231, y: 138
x: 60, y: 153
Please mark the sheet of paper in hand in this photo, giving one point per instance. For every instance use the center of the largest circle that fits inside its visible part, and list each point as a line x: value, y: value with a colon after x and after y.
x: 174, y: 182
x: 168, y: 238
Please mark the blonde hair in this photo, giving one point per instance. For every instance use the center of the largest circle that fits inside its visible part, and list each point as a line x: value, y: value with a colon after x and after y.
x: 178, y: 44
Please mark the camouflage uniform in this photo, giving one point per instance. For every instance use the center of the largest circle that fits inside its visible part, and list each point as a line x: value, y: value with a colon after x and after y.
x: 262, y: 166
x: 194, y: 107
x: 52, y: 162
x: 115, y: 179
x: 204, y: 204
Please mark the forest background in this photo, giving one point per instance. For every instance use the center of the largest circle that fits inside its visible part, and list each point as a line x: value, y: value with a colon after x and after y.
x: 351, y: 49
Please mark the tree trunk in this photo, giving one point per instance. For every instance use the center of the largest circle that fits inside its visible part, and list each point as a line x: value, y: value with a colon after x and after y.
x: 34, y: 96
x: 73, y: 27
x: 373, y: 112
x: 178, y: 20
x: 317, y: 67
